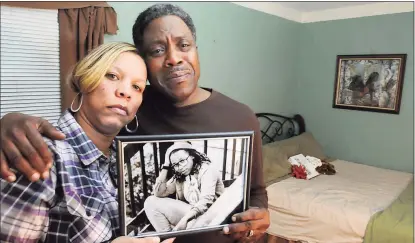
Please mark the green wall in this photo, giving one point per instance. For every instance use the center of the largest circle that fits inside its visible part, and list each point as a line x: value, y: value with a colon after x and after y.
x: 243, y: 52
x: 383, y: 140
x: 277, y: 65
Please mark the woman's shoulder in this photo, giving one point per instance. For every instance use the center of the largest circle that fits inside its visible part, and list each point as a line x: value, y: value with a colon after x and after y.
x: 56, y: 147
x: 59, y: 148
x: 67, y: 125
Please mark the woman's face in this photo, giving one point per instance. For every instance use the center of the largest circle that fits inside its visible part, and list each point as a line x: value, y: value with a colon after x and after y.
x: 114, y: 103
x: 182, y: 162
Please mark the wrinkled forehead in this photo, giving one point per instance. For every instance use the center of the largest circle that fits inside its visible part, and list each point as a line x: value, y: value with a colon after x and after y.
x: 166, y: 27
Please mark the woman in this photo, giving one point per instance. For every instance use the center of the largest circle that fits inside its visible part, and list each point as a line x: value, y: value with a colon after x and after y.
x: 196, y: 182
x: 78, y: 202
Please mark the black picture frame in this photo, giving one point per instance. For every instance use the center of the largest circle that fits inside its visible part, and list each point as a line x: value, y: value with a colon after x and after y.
x: 132, y: 150
x: 369, y: 82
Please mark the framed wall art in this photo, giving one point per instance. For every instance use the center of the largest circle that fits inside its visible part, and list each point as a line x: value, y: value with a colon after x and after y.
x: 171, y: 185
x: 369, y: 82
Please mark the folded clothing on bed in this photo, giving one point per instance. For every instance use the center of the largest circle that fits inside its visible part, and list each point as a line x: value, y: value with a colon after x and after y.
x: 276, y: 154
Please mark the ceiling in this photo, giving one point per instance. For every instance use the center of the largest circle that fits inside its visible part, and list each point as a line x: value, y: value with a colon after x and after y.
x: 318, y: 6
x: 308, y: 12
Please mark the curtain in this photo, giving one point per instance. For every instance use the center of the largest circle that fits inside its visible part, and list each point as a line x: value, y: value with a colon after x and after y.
x: 82, y: 26
x: 81, y: 30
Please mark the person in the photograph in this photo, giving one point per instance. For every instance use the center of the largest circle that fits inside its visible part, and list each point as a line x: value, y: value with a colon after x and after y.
x: 78, y: 202
x: 196, y: 183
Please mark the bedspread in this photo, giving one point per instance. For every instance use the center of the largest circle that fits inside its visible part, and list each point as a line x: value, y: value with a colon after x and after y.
x: 333, y: 208
x: 396, y: 222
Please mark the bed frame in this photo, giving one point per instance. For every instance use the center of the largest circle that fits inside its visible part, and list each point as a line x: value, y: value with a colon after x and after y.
x: 276, y: 127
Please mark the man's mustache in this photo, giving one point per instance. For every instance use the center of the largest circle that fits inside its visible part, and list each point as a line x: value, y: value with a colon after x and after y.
x: 178, y: 69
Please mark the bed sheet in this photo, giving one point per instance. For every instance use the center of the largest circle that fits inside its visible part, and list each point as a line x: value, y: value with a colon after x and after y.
x: 333, y: 208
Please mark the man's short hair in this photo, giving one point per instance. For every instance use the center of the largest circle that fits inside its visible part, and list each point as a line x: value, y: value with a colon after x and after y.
x: 157, y: 11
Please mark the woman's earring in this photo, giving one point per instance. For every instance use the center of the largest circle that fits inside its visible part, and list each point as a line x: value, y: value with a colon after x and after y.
x: 136, y: 126
x: 80, y: 103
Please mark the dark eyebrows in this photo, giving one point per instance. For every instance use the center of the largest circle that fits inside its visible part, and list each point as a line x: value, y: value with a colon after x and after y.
x: 183, y: 37
x: 156, y: 41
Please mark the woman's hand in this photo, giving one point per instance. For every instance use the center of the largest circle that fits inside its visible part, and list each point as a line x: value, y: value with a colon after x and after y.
x: 126, y: 239
x: 23, y: 148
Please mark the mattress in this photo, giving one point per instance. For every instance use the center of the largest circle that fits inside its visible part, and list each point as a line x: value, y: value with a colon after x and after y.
x: 333, y: 208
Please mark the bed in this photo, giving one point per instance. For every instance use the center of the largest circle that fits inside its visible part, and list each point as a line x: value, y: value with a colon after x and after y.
x: 359, y: 203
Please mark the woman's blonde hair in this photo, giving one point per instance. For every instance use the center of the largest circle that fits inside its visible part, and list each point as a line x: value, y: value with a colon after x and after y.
x: 89, y: 71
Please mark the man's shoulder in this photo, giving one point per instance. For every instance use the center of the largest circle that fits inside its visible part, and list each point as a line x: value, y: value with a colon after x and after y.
x: 231, y: 105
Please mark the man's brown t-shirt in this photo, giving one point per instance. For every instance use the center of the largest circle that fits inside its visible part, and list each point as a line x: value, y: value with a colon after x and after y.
x: 218, y: 113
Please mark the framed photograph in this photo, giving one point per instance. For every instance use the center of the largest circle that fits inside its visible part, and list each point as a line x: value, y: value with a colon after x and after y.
x: 369, y: 82
x: 171, y: 185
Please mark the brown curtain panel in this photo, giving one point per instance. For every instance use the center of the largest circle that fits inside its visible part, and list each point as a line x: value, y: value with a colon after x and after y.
x: 81, y: 30
x: 82, y: 26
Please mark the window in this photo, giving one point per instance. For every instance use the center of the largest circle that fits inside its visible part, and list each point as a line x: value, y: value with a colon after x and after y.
x: 30, y: 81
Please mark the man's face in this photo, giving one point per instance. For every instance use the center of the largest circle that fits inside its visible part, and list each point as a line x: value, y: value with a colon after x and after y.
x: 171, y: 56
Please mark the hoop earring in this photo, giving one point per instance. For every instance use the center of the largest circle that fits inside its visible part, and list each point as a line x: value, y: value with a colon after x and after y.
x: 136, y: 127
x: 80, y: 103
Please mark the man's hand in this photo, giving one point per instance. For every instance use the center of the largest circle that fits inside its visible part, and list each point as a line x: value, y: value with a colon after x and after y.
x: 181, y: 225
x: 255, y: 219
x: 167, y: 163
x: 23, y: 148
x: 126, y: 239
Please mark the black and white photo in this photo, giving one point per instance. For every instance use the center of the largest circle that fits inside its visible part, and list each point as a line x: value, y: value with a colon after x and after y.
x: 179, y: 184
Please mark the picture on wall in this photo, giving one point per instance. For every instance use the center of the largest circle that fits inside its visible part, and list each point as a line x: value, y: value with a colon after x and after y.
x: 170, y: 185
x: 369, y: 82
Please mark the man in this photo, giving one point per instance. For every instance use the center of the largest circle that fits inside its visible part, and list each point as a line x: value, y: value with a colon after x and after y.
x: 166, y: 38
